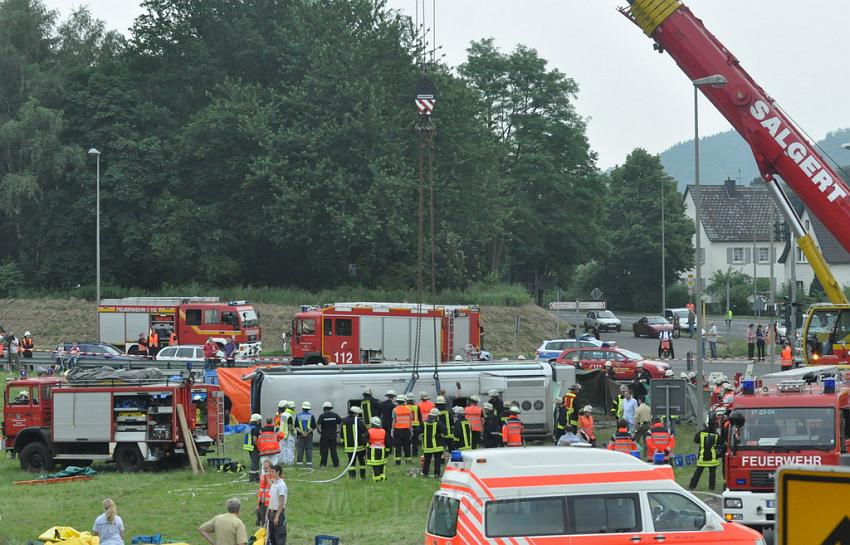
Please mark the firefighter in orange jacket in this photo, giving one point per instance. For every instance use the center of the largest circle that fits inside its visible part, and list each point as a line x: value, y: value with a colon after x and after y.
x: 659, y: 440
x: 263, y: 492
x: 402, y: 425
x: 27, y: 345
x: 512, y: 429
x: 153, y: 342
x: 377, y: 457
x: 787, y: 357
x: 267, y: 442
x: 172, y: 339
x: 475, y: 416
x: 622, y: 441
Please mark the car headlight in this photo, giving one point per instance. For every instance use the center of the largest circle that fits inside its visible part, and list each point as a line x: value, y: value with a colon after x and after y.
x: 733, y: 503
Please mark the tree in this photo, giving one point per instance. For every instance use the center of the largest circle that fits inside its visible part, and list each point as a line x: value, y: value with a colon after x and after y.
x: 631, y: 273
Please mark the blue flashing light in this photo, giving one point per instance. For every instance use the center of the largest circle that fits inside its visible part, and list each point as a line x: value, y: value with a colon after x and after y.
x: 457, y: 456
x: 740, y: 481
x: 748, y: 386
x: 829, y: 385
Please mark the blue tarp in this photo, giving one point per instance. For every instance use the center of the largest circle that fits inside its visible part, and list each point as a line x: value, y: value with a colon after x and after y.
x: 238, y: 428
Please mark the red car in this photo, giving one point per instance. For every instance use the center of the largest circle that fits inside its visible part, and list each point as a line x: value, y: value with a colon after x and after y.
x: 623, y: 361
x: 651, y: 326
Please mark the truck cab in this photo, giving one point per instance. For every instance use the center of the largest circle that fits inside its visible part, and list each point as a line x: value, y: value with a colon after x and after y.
x: 790, y: 422
x: 29, y: 407
x: 572, y: 496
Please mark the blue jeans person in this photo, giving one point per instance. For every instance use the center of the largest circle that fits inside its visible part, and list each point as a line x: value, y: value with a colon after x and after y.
x: 713, y: 345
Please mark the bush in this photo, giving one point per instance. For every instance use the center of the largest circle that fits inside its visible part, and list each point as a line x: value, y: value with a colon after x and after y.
x: 11, y: 279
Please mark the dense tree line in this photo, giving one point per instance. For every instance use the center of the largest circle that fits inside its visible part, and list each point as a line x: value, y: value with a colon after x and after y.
x: 270, y: 142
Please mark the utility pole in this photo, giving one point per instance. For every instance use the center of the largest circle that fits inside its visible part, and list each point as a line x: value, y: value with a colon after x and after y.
x: 663, y: 267
x: 772, y: 302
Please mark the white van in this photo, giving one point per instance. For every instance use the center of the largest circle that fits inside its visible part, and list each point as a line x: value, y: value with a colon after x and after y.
x: 556, y: 495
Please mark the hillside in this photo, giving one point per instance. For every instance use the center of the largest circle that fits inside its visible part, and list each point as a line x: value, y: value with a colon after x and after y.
x: 55, y: 320
x: 723, y: 155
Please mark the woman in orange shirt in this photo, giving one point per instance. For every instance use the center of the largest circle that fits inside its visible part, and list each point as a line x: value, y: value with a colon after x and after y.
x: 585, y: 424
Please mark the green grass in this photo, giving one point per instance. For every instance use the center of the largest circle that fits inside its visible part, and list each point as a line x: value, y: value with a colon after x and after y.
x: 479, y: 293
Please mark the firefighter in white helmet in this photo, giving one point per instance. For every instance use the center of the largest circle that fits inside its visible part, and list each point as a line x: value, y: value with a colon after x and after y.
x: 377, y: 457
x: 328, y: 426
x: 305, y: 424
x: 386, y: 415
x: 249, y: 443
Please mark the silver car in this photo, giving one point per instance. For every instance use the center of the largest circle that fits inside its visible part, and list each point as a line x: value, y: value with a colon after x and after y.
x: 605, y: 320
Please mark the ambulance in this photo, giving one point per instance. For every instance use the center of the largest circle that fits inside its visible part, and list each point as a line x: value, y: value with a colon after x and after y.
x: 560, y: 496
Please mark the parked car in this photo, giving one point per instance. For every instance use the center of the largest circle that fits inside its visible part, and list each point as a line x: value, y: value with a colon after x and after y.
x: 651, y: 326
x: 92, y: 351
x: 624, y: 362
x: 185, y: 352
x: 682, y: 313
x: 550, y: 350
x: 605, y: 320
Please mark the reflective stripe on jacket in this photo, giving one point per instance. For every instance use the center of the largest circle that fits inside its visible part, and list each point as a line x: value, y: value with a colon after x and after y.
x: 403, y: 419
x: 268, y: 441
x: 512, y: 432
x: 474, y: 416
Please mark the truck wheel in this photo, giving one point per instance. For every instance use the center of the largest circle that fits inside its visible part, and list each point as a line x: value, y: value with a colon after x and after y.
x: 35, y: 457
x: 129, y: 458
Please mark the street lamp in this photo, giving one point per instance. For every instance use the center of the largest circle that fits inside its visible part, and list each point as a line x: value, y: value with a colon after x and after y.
x: 96, y: 154
x: 713, y: 81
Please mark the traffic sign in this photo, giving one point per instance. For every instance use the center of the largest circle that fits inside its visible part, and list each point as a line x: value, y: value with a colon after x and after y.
x: 812, y: 505
x: 596, y: 293
x: 690, y: 290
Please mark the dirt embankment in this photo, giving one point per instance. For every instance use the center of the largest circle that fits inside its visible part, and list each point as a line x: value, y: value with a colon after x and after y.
x: 53, y: 320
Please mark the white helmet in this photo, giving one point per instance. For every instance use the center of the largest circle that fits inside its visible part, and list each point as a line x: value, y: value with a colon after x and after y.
x: 256, y: 418
x: 458, y: 358
x: 290, y: 404
x: 587, y: 409
x: 475, y: 398
x: 367, y: 391
x: 355, y: 409
x: 493, y: 393
x: 424, y: 395
x: 26, y: 333
x: 514, y: 409
x: 401, y: 398
x: 488, y: 406
x: 608, y: 363
x: 282, y: 404
x: 440, y: 399
x: 375, y: 421
x: 434, y: 412
x: 457, y: 410
x: 327, y: 405
x: 306, y: 405
x: 390, y: 393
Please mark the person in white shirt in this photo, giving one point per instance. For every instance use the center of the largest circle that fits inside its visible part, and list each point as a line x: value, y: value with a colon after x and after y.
x: 665, y: 336
x: 108, y: 526
x: 277, y: 508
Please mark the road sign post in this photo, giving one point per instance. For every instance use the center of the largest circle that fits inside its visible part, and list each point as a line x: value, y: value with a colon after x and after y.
x: 812, y: 506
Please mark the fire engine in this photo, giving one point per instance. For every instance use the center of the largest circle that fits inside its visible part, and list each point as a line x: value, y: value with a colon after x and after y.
x: 779, y: 422
x: 194, y: 319
x: 781, y: 150
x: 382, y: 332
x: 48, y: 420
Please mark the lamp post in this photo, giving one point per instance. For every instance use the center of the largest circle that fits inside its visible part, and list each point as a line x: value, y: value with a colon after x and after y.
x: 96, y: 154
x: 715, y: 81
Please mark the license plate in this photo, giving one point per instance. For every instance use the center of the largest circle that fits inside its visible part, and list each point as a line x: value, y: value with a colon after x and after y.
x: 771, y: 504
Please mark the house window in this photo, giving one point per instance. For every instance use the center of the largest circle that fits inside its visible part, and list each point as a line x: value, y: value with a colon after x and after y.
x: 764, y: 255
x: 801, y: 257
x: 737, y: 255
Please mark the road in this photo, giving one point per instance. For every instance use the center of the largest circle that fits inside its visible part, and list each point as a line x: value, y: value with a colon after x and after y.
x: 649, y: 347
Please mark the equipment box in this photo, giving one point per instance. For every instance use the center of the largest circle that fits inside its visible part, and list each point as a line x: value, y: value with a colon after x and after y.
x: 82, y: 416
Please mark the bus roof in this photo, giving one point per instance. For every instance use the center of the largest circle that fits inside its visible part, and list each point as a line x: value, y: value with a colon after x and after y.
x: 501, y: 472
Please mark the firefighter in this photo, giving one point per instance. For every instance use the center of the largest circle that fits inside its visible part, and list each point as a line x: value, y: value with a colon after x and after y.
x: 617, y: 407
x: 142, y: 342
x: 305, y: 424
x: 609, y: 370
x: 448, y: 422
x: 707, y: 440
x: 377, y: 450
x: 560, y: 419
x: 27, y: 345
x: 474, y: 415
x: 492, y: 427
x: 249, y: 443
x: 328, y: 426
x: 402, y: 422
x: 263, y: 493
x: 659, y: 440
x: 462, y: 430
x: 267, y: 443
x: 512, y: 429
x: 585, y: 424
x: 172, y: 339
x: 289, y: 440
x: 432, y: 443
x: 497, y: 403
x: 425, y: 405
x: 622, y: 440
x: 354, y: 439
x: 371, y: 407
x: 787, y: 357
x: 638, y: 385
x: 571, y: 407
x: 153, y: 342
x: 386, y: 415
x: 415, y: 425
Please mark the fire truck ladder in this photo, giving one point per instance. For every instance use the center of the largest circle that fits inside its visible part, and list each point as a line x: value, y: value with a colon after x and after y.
x: 219, y: 438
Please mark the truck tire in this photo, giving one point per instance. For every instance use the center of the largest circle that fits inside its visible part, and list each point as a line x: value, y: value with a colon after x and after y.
x: 35, y: 458
x: 129, y: 458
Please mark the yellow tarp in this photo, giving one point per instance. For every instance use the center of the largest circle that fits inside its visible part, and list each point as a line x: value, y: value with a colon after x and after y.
x: 260, y: 536
x: 66, y: 535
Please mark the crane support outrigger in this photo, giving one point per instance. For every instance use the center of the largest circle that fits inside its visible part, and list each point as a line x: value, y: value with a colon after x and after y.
x: 781, y: 151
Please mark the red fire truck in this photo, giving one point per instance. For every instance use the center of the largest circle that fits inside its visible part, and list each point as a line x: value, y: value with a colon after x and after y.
x: 47, y: 421
x: 194, y: 319
x: 790, y: 422
x: 381, y: 332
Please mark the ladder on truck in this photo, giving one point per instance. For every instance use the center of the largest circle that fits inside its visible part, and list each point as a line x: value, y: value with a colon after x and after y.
x: 219, y: 438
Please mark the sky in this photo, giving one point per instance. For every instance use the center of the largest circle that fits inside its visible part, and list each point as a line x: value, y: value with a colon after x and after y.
x: 631, y: 95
